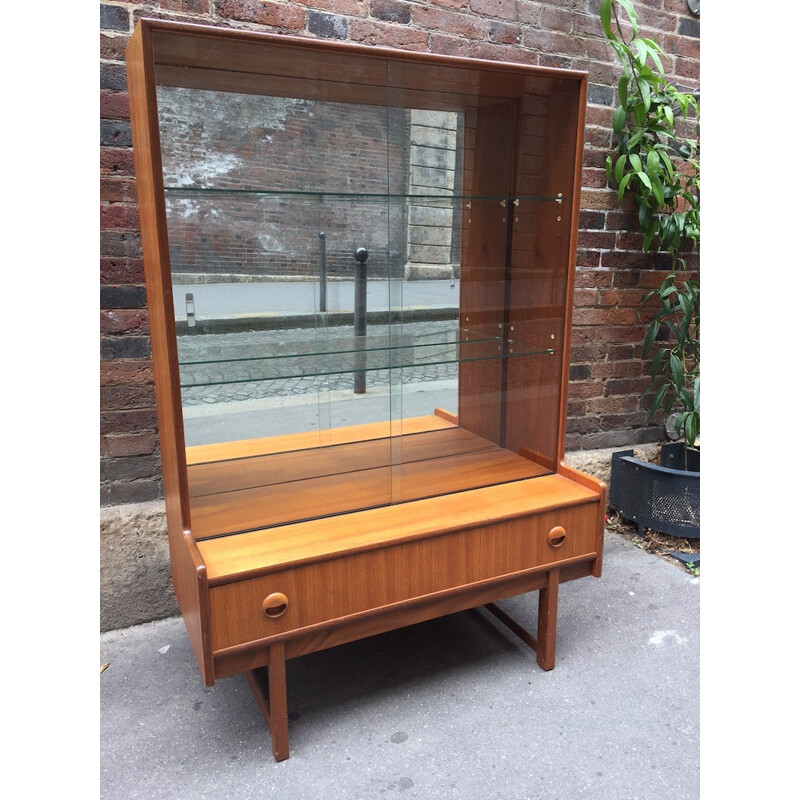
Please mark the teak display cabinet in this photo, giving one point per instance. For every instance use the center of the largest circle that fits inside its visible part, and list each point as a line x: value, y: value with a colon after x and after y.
x: 359, y: 267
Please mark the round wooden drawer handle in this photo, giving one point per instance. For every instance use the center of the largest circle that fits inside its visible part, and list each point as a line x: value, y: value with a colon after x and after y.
x: 275, y: 604
x: 557, y: 536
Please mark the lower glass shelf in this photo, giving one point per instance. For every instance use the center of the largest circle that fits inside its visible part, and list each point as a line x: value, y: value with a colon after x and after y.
x: 275, y: 358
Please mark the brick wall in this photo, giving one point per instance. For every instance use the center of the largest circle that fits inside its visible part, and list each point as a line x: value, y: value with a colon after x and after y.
x: 607, y: 377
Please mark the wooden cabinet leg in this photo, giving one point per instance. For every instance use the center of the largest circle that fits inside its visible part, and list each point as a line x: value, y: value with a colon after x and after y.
x: 272, y: 700
x: 548, y: 612
x: 278, y: 704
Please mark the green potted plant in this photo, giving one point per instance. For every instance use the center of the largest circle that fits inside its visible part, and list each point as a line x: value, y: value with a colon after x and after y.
x: 656, y: 164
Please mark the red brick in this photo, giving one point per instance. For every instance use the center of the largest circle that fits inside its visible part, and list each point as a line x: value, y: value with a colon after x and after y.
x: 587, y: 258
x: 660, y: 22
x: 113, y: 373
x: 137, y: 491
x: 604, y: 439
x: 620, y: 297
x: 187, y: 6
x: 538, y: 39
x: 616, y: 403
x: 617, y: 220
x: 598, y: 137
x: 278, y: 15
x: 687, y: 68
x: 451, y: 3
x: 598, y: 198
x: 572, y: 46
x: 597, y: 239
x: 494, y: 51
x: 622, y: 316
x: 586, y: 279
x: 585, y: 297
x: 556, y: 19
x: 136, y: 421
x: 587, y: 25
x: 121, y: 270
x: 112, y: 46
x: 634, y: 419
x: 114, y: 105
x: 600, y: 50
x: 118, y: 190
x: 628, y: 240
x: 572, y: 441
x: 445, y: 21
x: 118, y: 398
x: 610, y: 333
x: 617, y: 369
x: 388, y: 35
x: 132, y: 444
x: 594, y: 178
x: 350, y: 8
x: 626, y: 260
x: 594, y: 158
x: 590, y: 316
x: 447, y: 45
x: 599, y: 72
x: 119, y: 215
x: 499, y: 9
x: 626, y: 279
x: 583, y: 352
x: 586, y: 390
x: 124, y: 321
x: 116, y: 161
x: 583, y: 424
x: 504, y: 32
x: 624, y: 386
x: 575, y: 408
x: 600, y: 116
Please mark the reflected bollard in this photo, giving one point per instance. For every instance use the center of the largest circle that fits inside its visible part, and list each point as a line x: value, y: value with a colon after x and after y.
x: 360, y: 322
x: 323, y: 273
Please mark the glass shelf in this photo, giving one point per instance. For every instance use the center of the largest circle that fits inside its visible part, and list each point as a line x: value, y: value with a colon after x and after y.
x: 345, y: 354
x: 359, y: 197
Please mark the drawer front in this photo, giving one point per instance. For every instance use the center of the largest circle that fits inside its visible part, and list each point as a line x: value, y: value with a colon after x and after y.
x: 296, y: 598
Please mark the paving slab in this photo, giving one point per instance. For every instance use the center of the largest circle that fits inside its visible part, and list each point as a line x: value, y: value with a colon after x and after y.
x: 452, y: 708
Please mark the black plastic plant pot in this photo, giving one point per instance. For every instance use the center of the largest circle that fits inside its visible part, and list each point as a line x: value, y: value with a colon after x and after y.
x: 664, y: 498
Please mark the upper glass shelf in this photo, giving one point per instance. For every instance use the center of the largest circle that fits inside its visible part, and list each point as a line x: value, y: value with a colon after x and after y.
x: 342, y: 354
x: 360, y: 197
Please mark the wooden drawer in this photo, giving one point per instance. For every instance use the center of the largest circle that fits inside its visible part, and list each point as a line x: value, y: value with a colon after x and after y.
x: 331, y: 589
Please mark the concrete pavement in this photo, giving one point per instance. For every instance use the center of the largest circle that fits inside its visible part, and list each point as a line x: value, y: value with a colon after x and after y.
x: 450, y: 709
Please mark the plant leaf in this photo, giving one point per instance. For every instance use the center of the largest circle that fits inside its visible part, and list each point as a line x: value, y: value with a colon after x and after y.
x: 623, y: 184
x: 644, y: 88
x: 618, y: 122
x: 692, y: 428
x: 658, y: 399
x: 620, y: 168
x: 605, y: 18
x: 676, y: 370
x: 622, y: 91
x: 649, y: 337
x: 631, y: 12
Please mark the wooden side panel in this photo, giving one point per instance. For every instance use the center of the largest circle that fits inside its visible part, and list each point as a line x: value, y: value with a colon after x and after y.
x: 595, y: 485
x: 188, y: 571
x: 487, y: 163
x: 542, y: 262
x: 342, y: 587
